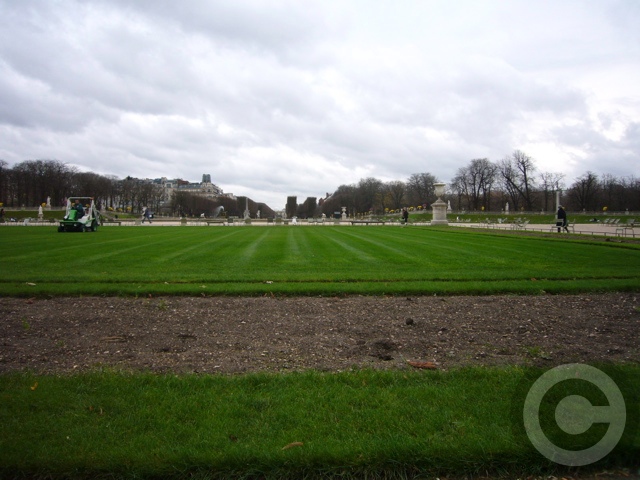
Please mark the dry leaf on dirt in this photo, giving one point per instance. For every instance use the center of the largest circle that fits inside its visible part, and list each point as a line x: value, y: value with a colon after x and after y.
x: 292, y: 445
x: 424, y: 365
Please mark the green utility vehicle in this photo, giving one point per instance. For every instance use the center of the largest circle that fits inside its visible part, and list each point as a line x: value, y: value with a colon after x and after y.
x: 81, y: 216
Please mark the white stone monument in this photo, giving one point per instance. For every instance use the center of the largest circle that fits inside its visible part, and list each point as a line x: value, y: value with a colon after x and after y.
x: 439, y: 207
x: 344, y: 213
x: 246, y: 209
x: 558, y: 195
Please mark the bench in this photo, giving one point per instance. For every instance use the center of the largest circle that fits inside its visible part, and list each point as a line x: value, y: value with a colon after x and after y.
x: 367, y: 222
x: 112, y: 222
x: 216, y: 222
x: 488, y: 223
x: 558, y: 225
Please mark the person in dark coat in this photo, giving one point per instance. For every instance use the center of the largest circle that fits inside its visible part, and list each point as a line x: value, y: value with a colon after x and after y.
x: 561, y: 219
x: 405, y: 216
x: 146, y: 215
x: 80, y: 209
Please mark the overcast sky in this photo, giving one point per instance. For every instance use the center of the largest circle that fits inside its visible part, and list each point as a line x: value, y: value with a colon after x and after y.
x: 276, y: 97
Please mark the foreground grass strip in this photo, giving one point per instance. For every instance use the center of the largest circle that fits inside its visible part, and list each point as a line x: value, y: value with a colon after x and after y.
x: 307, y: 261
x: 283, y: 288
x: 382, y: 424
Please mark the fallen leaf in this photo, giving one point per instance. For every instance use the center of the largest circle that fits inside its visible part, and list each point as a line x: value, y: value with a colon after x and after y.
x: 114, y: 339
x: 292, y: 445
x: 32, y: 284
x: 34, y: 386
x: 424, y: 365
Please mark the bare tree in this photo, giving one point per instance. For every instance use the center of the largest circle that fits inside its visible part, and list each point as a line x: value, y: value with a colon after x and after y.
x: 30, y: 182
x: 517, y: 174
x: 421, y: 189
x: 395, y: 192
x: 475, y: 183
x: 344, y: 196
x: 584, y: 192
x: 612, y: 192
x: 4, y: 182
x: 368, y: 194
x: 550, y: 183
x: 150, y: 195
x: 630, y: 196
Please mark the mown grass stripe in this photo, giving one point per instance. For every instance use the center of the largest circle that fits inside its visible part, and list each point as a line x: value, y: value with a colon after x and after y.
x: 295, y: 255
x: 350, y: 249
x: 378, y: 243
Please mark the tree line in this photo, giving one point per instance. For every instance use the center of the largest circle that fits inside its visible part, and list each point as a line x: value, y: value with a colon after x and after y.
x: 482, y: 185
x: 486, y: 185
x: 32, y: 182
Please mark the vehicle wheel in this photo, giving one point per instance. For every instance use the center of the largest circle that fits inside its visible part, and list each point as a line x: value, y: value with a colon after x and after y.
x: 84, y: 228
x: 94, y: 226
x: 60, y: 229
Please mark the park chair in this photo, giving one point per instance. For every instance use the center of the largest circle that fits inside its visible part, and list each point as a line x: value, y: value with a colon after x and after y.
x: 520, y: 224
x: 627, y: 228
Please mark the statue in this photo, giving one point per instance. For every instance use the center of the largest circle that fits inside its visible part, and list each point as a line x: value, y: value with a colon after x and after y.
x: 246, y: 209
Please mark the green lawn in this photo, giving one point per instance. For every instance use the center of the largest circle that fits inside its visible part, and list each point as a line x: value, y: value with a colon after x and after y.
x: 308, y: 261
x: 358, y: 424
x: 361, y: 424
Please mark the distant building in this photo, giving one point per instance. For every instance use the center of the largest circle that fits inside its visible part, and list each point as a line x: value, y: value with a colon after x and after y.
x: 203, y: 189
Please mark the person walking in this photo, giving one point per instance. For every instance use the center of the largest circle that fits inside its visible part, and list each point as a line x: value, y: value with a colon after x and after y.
x: 146, y: 214
x: 405, y: 215
x: 561, y: 219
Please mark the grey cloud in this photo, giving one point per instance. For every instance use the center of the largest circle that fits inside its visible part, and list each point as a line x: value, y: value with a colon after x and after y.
x: 312, y: 94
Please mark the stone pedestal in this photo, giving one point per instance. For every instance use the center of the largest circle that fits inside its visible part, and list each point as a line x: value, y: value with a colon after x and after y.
x: 439, y: 207
x: 246, y: 209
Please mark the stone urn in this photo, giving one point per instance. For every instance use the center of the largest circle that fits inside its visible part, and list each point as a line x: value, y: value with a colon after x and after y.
x: 439, y: 207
